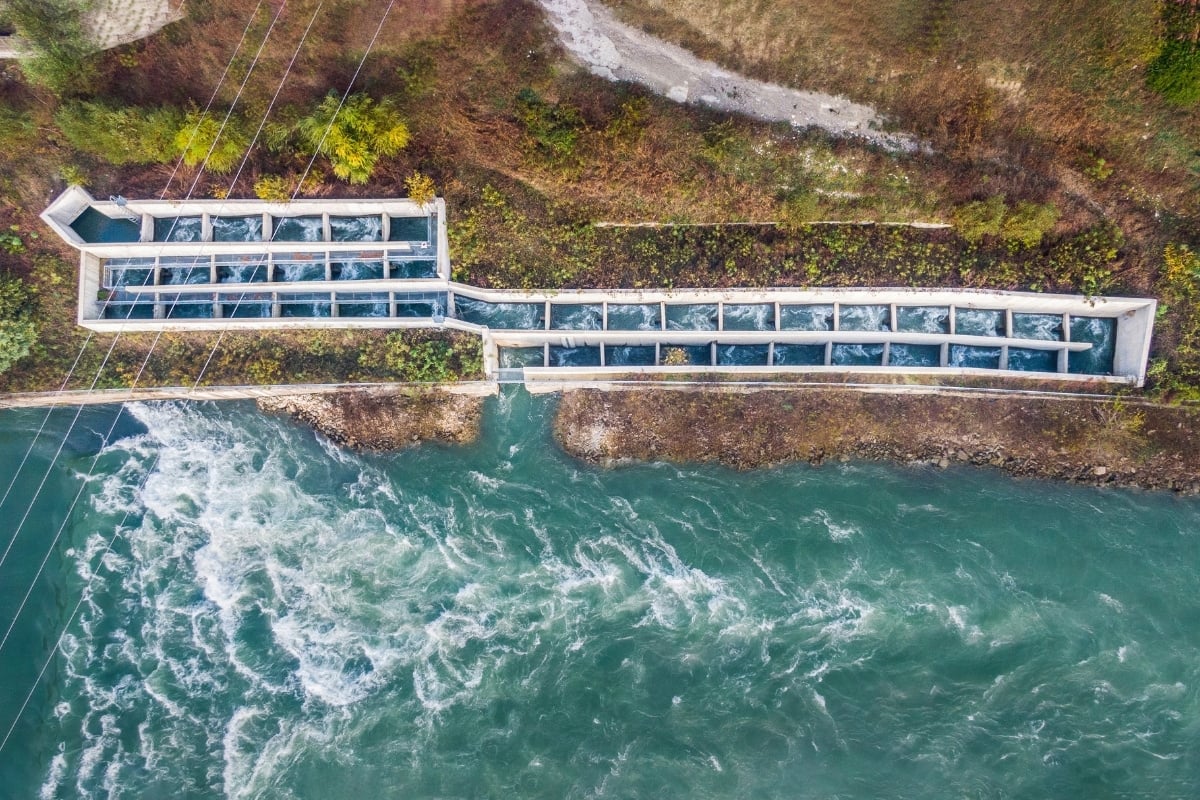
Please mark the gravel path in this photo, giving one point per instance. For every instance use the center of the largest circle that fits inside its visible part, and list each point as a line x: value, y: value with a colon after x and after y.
x: 619, y: 52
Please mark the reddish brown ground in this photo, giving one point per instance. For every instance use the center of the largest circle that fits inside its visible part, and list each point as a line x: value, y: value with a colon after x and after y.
x: 384, y: 420
x: 1108, y: 442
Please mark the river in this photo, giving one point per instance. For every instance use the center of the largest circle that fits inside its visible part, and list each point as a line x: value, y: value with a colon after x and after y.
x: 280, y: 618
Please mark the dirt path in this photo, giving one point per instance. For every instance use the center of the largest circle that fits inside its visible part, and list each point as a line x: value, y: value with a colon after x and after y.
x: 619, y: 52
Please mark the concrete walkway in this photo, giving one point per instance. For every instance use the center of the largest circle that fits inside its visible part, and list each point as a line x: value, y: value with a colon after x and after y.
x: 106, y: 396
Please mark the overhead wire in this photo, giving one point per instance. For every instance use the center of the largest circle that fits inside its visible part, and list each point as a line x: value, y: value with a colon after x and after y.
x: 158, y: 336
x: 196, y: 383
x: 166, y: 187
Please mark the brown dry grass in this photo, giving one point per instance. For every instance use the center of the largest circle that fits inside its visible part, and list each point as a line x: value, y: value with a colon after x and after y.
x: 1046, y: 84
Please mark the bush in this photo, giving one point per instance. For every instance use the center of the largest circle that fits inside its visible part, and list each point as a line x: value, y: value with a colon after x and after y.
x: 1028, y: 223
x: 17, y: 331
x: 1025, y: 224
x: 355, y: 137
x: 981, y: 218
x: 420, y: 188
x: 273, y: 189
x: 552, y: 128
x: 127, y: 135
x: 420, y: 357
x: 201, y: 138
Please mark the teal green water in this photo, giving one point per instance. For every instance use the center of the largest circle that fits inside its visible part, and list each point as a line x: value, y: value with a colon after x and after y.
x: 283, y: 619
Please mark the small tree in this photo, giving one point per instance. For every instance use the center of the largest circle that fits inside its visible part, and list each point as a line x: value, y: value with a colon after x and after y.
x: 126, y: 135
x: 420, y: 189
x: 355, y: 137
x: 59, y: 42
x: 201, y: 137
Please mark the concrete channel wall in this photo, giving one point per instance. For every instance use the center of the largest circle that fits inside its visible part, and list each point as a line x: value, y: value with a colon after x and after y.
x: 1132, y: 318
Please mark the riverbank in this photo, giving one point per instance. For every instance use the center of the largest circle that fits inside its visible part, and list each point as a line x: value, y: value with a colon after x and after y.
x: 384, y: 419
x: 1078, y: 441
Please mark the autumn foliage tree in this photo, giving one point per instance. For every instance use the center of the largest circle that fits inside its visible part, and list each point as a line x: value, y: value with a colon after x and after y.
x: 355, y: 136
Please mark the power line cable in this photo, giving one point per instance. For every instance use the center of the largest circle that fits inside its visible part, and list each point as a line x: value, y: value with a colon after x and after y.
x: 117, y: 338
x: 195, y: 384
x: 162, y: 195
x: 116, y: 418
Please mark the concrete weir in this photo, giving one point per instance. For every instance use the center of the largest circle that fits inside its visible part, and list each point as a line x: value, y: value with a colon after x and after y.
x: 247, y: 264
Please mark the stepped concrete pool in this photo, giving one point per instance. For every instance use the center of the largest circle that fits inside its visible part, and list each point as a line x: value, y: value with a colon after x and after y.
x: 246, y: 264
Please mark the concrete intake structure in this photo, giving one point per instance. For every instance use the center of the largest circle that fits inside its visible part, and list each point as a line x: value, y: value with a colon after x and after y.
x: 249, y: 264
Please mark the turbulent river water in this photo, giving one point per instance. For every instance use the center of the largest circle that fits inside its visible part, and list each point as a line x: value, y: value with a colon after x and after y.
x: 280, y: 618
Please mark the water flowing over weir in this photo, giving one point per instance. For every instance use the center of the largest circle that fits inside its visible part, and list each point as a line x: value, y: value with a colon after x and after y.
x: 199, y: 265
x: 281, y: 618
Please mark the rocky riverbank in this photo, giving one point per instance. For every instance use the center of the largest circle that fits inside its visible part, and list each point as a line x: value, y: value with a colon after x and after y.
x: 384, y: 419
x: 1111, y: 442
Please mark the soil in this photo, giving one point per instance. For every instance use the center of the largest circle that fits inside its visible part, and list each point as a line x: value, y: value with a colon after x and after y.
x: 384, y: 419
x: 619, y: 52
x: 1113, y: 442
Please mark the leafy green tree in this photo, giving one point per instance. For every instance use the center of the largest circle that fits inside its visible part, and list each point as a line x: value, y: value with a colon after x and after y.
x: 201, y: 133
x: 17, y: 331
x: 125, y: 135
x: 355, y: 137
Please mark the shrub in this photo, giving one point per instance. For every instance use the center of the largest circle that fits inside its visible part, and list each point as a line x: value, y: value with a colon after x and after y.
x: 127, y: 135
x: 418, y: 357
x: 420, y: 188
x: 421, y: 362
x: 355, y: 137
x: 980, y: 218
x: 201, y: 141
x: 1025, y: 224
x: 1028, y: 223
x: 553, y: 128
x: 17, y: 331
x: 273, y: 189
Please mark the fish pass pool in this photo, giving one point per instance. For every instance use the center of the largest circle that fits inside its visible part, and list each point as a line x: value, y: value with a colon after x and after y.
x: 95, y: 227
x: 146, y: 265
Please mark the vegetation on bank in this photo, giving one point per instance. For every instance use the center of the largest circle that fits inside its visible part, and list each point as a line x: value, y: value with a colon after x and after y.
x: 1175, y: 71
x: 1052, y: 184
x: 61, y: 48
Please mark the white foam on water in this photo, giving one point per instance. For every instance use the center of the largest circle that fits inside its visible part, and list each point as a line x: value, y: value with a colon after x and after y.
x: 55, y: 774
x: 838, y: 532
x: 956, y: 616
